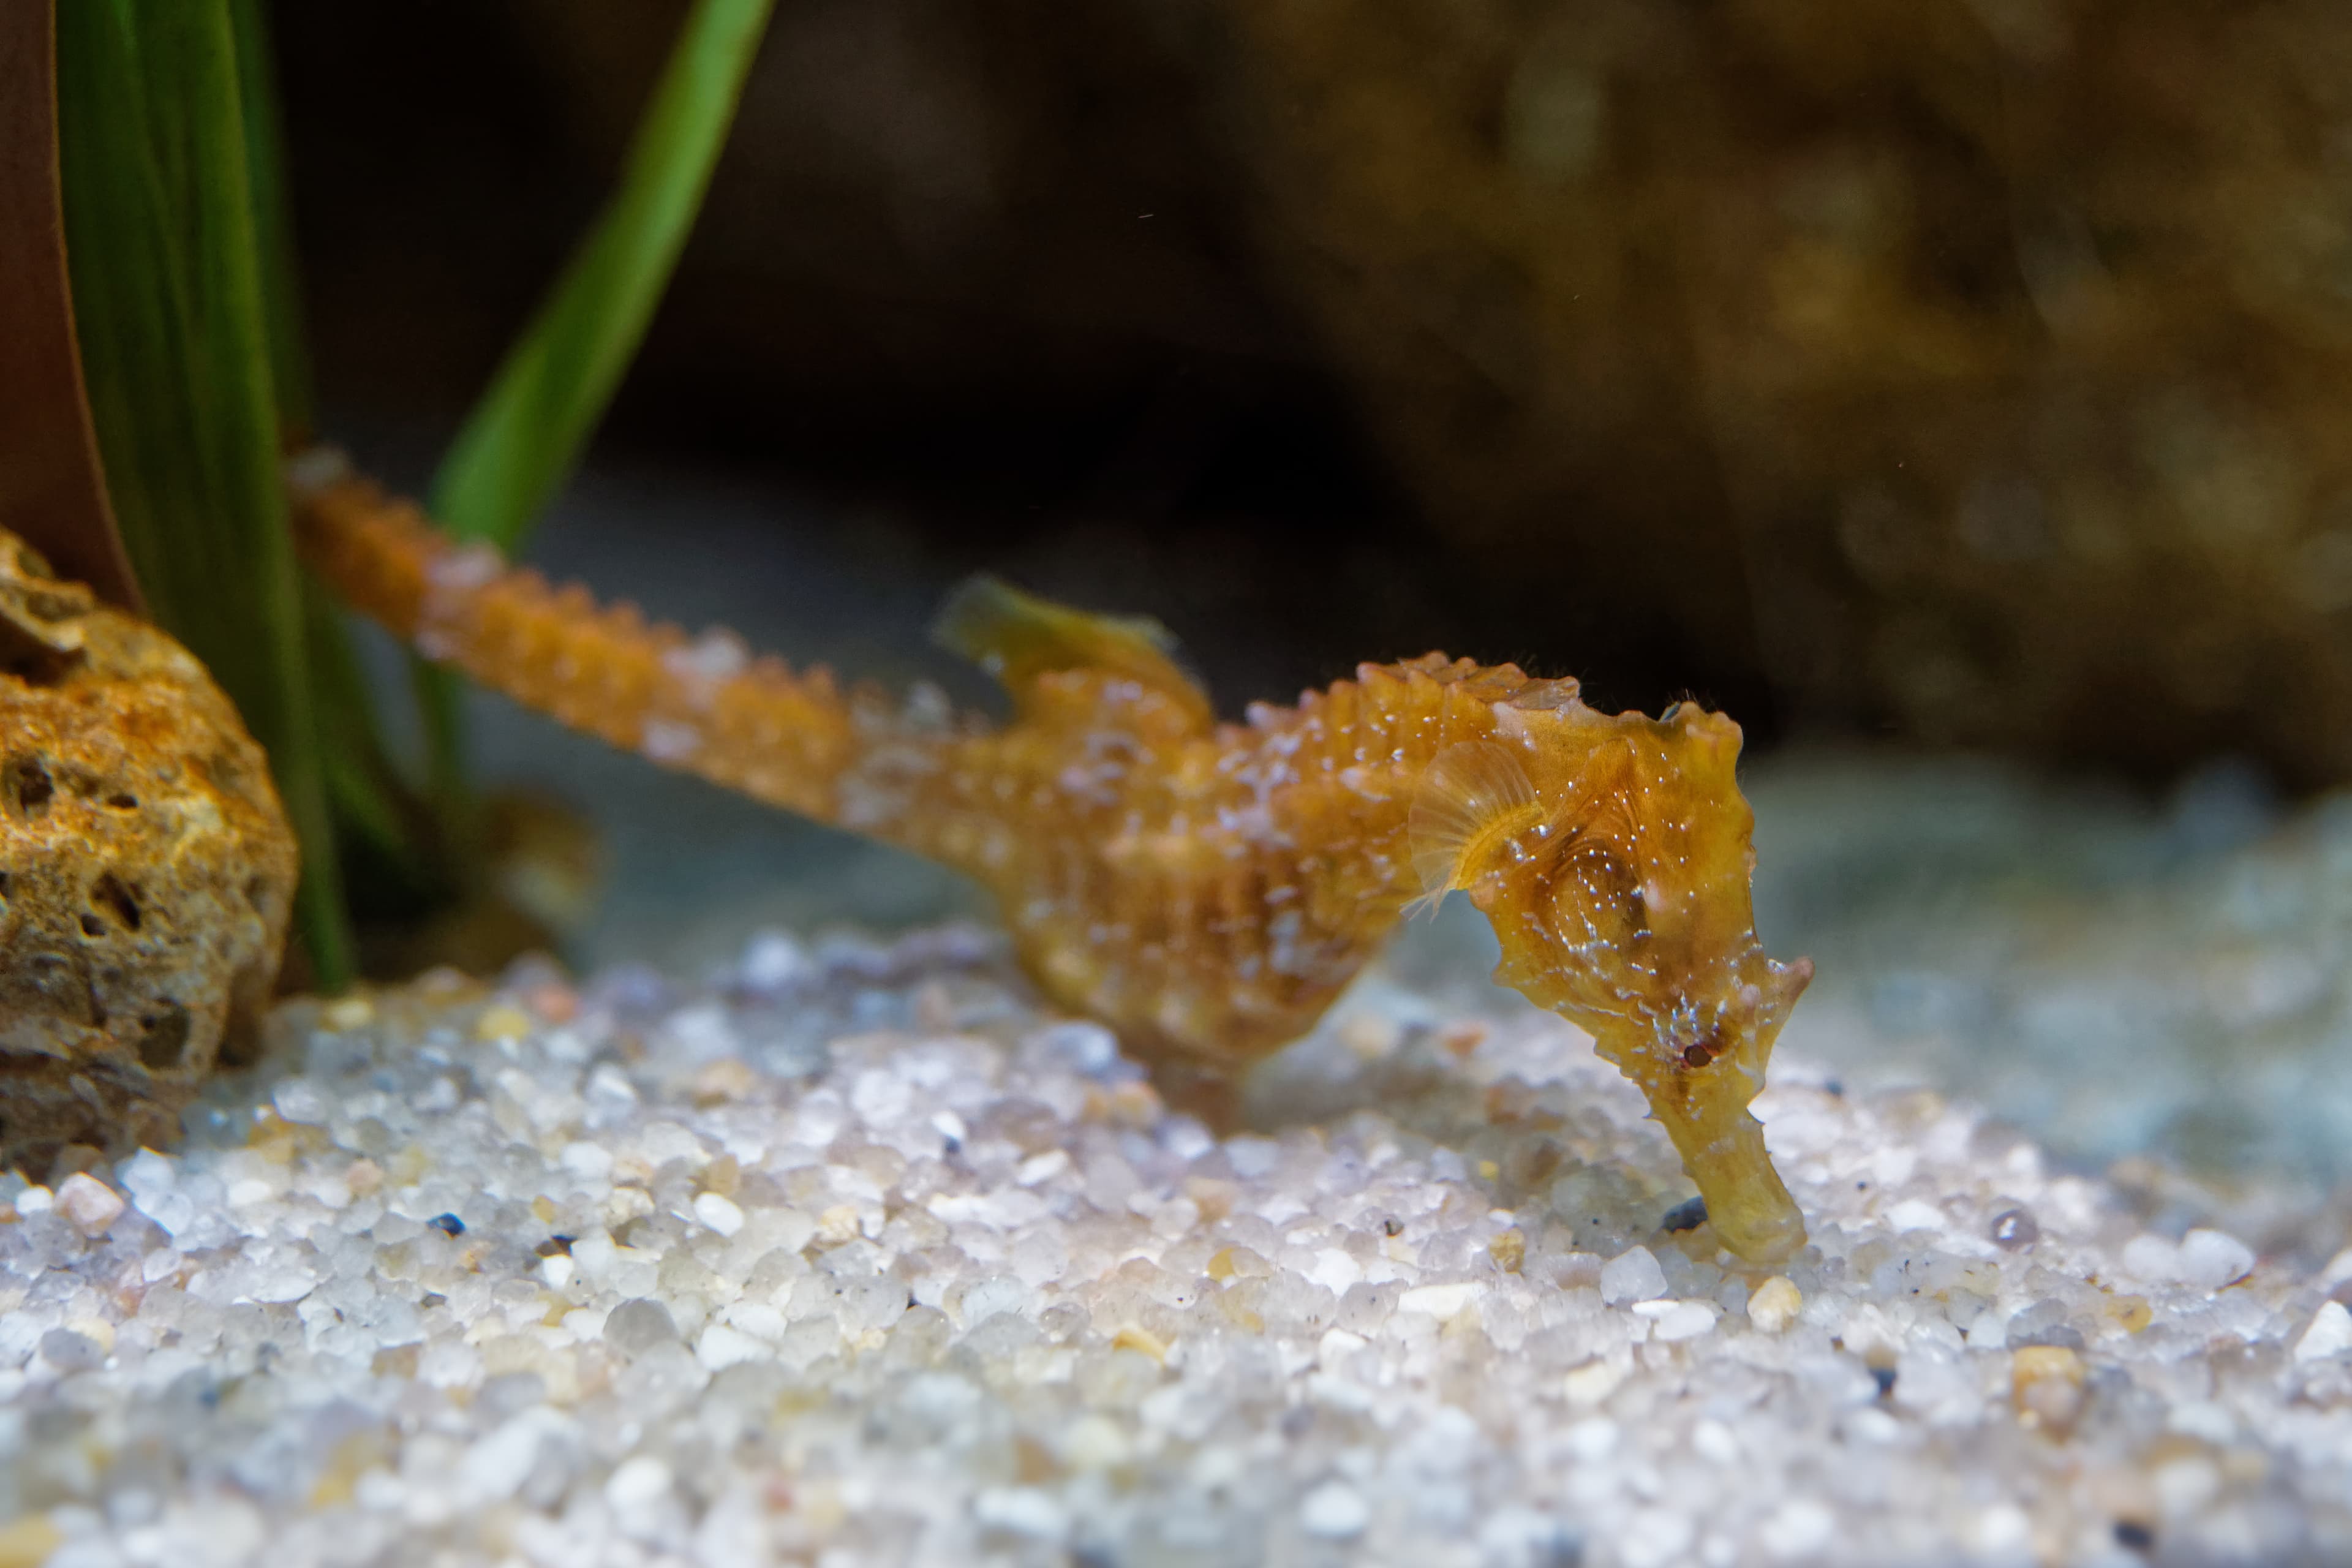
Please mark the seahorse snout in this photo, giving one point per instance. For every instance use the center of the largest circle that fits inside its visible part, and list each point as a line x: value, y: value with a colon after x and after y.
x: 1700, y: 1093
x: 1723, y: 1149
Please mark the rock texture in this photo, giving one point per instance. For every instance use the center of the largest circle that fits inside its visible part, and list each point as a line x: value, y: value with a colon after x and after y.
x: 1968, y: 365
x: 146, y: 872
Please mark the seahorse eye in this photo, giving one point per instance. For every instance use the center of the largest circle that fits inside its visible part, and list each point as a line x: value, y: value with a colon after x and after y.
x: 1705, y: 1049
x: 1596, y: 899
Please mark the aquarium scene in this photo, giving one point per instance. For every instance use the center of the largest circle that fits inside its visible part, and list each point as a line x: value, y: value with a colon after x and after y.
x: 1176, y: 783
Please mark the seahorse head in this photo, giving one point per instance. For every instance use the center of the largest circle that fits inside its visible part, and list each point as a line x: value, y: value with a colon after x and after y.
x: 1612, y: 854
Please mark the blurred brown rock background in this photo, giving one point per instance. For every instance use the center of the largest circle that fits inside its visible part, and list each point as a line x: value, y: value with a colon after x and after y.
x: 1976, y: 371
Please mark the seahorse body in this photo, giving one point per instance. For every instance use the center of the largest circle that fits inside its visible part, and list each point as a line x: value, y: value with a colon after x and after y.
x: 1206, y: 890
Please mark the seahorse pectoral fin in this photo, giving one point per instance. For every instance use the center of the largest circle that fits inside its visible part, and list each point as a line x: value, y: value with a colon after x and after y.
x: 1467, y: 806
x: 1018, y: 638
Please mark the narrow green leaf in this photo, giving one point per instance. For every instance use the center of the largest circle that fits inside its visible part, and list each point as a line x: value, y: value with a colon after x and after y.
x: 168, y: 305
x: 529, y: 428
x: 364, y: 788
x: 528, y: 432
x: 273, y: 228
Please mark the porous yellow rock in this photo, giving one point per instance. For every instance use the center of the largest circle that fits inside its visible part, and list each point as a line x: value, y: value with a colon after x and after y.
x: 146, y: 872
x: 1973, y: 366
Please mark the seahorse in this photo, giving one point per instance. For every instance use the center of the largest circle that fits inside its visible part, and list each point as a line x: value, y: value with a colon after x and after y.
x: 1204, y: 888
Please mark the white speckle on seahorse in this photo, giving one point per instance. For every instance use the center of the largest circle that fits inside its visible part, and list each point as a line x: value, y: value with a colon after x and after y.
x: 927, y: 708
x: 1287, y: 955
x: 717, y: 656
x: 451, y: 582
x: 464, y: 570
x: 1252, y: 822
x: 667, y: 742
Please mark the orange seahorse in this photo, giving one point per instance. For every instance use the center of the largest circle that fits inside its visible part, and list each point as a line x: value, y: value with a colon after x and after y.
x: 1206, y: 890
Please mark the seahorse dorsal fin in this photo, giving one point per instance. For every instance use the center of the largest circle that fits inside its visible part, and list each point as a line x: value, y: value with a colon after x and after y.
x: 1017, y: 637
x: 1470, y: 802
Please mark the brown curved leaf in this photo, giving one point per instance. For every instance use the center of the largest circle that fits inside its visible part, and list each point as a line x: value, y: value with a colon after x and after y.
x: 52, y: 488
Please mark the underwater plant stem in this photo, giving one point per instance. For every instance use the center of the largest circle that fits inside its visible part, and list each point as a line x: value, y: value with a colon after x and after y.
x: 440, y: 700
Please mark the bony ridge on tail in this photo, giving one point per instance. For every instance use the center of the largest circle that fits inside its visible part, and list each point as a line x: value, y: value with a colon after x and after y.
x: 1204, y: 888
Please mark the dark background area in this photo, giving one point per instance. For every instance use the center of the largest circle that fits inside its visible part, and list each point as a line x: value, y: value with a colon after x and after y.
x: 1961, y: 373
x: 974, y: 283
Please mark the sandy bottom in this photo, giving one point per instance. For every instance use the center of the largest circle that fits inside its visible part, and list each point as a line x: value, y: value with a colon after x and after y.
x: 848, y: 1254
